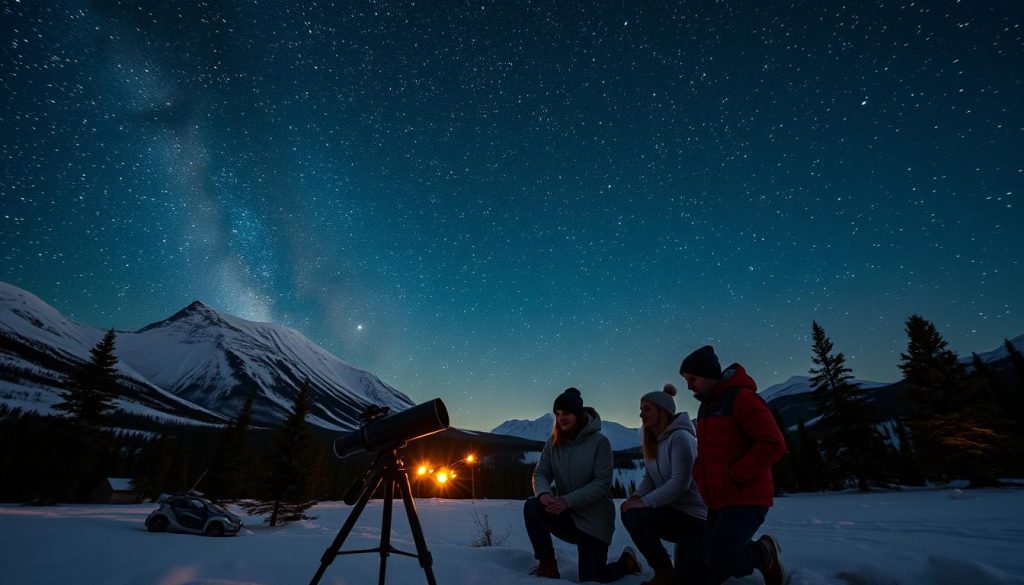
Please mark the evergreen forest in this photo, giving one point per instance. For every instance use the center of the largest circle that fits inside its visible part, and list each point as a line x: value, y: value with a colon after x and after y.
x: 956, y: 419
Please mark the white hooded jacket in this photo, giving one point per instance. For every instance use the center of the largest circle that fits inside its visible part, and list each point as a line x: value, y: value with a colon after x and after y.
x: 668, y: 479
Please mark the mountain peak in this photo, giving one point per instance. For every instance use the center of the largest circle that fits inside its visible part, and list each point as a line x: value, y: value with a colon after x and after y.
x: 198, y: 306
x: 193, y: 310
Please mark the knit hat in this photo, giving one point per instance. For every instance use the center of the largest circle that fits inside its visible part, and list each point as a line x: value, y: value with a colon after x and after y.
x: 570, y: 401
x: 703, y: 363
x: 662, y: 399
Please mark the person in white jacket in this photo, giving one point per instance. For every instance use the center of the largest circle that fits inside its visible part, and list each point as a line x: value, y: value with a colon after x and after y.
x: 667, y: 504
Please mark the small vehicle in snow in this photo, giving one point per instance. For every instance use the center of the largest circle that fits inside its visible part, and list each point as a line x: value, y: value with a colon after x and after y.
x: 192, y: 514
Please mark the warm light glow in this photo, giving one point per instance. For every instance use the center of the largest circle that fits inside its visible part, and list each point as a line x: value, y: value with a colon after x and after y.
x: 442, y: 477
x: 470, y: 458
x: 421, y: 470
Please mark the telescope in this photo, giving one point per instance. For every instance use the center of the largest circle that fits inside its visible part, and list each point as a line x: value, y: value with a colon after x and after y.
x: 382, y: 431
x: 385, y: 434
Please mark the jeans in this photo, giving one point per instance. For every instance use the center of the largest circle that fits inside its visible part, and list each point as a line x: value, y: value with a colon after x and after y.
x: 649, y: 526
x: 728, y: 550
x: 592, y: 551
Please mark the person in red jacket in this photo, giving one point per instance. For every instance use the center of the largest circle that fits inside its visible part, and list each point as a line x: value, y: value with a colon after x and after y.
x: 737, y: 443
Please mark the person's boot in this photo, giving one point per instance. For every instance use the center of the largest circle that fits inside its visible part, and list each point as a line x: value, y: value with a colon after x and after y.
x: 772, y: 570
x: 547, y: 568
x: 662, y: 576
x: 628, y: 560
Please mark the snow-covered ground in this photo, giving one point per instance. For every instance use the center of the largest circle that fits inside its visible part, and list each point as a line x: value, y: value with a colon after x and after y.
x: 930, y: 536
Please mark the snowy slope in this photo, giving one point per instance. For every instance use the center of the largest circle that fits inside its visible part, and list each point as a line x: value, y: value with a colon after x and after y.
x: 216, y: 360
x: 539, y: 429
x: 907, y: 537
x: 39, y: 346
x: 198, y: 364
x: 794, y: 402
x: 998, y: 354
x: 802, y: 384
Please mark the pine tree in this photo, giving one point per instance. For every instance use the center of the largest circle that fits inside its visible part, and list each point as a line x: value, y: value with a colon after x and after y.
x: 950, y: 421
x: 811, y: 471
x: 853, y: 447
x: 782, y: 472
x: 1015, y: 390
x: 231, y: 469
x: 154, y: 467
x: 907, y: 465
x: 1006, y: 417
x: 289, y: 486
x: 91, y: 388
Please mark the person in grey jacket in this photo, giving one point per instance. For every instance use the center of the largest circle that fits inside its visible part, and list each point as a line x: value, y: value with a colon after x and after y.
x: 573, y: 501
x: 667, y: 504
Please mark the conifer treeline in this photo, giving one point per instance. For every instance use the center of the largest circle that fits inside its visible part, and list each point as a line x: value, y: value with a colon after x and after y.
x: 956, y: 422
x: 275, y: 473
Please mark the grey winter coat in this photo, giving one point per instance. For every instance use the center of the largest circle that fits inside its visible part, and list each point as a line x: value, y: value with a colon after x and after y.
x: 668, y: 480
x: 581, y: 470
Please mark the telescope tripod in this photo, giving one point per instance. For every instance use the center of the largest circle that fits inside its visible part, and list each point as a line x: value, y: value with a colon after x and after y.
x: 389, y: 470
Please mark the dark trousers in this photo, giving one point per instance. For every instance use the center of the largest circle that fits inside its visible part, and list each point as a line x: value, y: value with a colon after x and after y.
x: 728, y: 550
x: 649, y: 526
x: 592, y: 552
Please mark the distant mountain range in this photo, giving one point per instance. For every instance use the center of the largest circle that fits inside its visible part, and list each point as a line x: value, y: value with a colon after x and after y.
x: 199, y: 365
x: 621, y: 437
x: 196, y: 366
x: 794, y: 401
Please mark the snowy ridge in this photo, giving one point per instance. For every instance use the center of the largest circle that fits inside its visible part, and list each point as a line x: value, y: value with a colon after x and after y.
x: 802, y: 384
x: 25, y: 316
x: 998, y: 354
x: 40, y: 345
x: 198, y: 364
x: 212, y: 358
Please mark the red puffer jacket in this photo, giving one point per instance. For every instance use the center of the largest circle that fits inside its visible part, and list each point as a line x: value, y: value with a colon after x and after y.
x: 737, y: 443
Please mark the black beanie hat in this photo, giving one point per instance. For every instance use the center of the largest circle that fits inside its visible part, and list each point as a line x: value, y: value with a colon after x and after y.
x: 569, y: 400
x: 703, y: 363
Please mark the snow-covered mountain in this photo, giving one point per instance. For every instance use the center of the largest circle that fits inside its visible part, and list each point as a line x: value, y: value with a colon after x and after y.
x: 794, y: 402
x: 39, y: 347
x: 197, y: 364
x: 621, y: 437
x: 801, y: 384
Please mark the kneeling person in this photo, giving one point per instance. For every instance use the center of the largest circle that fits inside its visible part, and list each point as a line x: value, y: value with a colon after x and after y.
x: 667, y: 504
x: 577, y: 461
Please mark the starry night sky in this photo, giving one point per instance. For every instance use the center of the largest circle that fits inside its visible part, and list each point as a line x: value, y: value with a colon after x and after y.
x: 491, y: 201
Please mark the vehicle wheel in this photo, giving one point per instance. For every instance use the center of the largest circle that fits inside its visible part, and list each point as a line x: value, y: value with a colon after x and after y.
x: 215, y: 529
x: 157, y: 524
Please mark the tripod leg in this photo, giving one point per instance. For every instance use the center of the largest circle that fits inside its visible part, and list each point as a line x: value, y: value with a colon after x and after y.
x: 385, y: 526
x: 332, y: 551
x: 426, y: 560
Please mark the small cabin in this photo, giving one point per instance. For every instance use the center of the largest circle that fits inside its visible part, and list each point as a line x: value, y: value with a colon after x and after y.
x: 115, y: 490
